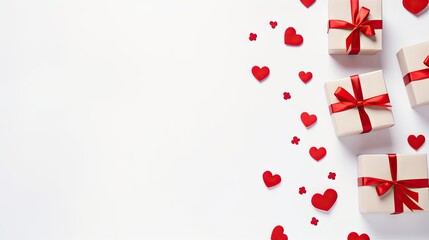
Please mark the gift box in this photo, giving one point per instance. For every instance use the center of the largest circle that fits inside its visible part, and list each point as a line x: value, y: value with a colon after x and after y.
x: 355, y: 26
x: 393, y: 183
x: 414, y: 63
x: 359, y: 104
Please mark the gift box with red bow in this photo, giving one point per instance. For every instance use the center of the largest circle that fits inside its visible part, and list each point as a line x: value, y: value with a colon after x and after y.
x: 393, y: 183
x: 359, y: 104
x: 355, y: 26
x: 414, y: 63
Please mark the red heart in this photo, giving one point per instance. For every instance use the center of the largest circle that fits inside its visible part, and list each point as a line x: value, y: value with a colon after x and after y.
x: 317, y: 154
x: 307, y: 3
x: 278, y: 234
x: 291, y: 38
x: 415, y: 6
x: 305, y: 76
x: 260, y: 73
x: 271, y: 180
x: 273, y: 24
x: 308, y: 119
x: 355, y: 236
x: 416, y: 142
x: 326, y: 201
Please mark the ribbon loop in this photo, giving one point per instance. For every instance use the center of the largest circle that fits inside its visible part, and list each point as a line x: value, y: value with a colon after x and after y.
x: 401, y: 189
x: 359, y: 24
x: 426, y: 61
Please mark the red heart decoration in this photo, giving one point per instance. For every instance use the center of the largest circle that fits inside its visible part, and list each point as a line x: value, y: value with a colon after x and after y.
x: 260, y: 73
x: 305, y: 76
x: 317, y: 153
x: 278, y: 233
x: 326, y: 201
x: 271, y: 180
x: 415, y: 6
x: 355, y: 236
x: 273, y: 24
x: 307, y: 3
x: 308, y: 119
x: 416, y: 142
x: 291, y: 38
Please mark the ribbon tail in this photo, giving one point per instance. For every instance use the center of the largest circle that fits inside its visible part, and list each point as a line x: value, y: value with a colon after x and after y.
x: 353, y: 42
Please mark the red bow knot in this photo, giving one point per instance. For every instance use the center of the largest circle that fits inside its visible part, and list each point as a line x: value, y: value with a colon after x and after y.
x: 359, y: 24
x: 401, y: 189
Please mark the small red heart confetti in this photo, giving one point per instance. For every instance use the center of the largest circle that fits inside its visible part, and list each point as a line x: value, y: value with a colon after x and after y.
x: 307, y: 3
x: 416, y: 142
x: 314, y: 221
x: 278, y: 233
x: 332, y: 175
x: 291, y: 38
x: 295, y: 140
x: 253, y: 36
x: 355, y: 236
x: 302, y: 190
x: 273, y: 24
x: 317, y: 153
x: 286, y: 96
x: 260, y: 73
x: 271, y: 180
x: 305, y: 76
x: 308, y: 119
x: 326, y: 201
x: 415, y: 6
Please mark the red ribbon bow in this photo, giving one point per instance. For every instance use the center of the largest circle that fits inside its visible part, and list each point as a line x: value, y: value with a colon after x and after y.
x: 358, y: 24
x: 347, y: 101
x: 418, y: 75
x: 401, y: 188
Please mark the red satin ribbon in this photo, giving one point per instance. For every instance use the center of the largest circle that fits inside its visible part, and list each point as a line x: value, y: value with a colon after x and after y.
x: 417, y: 75
x: 402, y: 194
x: 347, y: 101
x: 358, y: 24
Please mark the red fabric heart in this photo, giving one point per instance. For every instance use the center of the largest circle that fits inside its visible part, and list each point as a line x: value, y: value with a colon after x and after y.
x: 416, y: 142
x: 307, y: 3
x: 326, y: 201
x: 305, y: 76
x: 273, y: 24
x: 271, y: 180
x: 291, y: 38
x: 355, y: 236
x: 415, y: 6
x: 260, y: 73
x: 278, y: 234
x: 317, y: 153
x: 308, y: 119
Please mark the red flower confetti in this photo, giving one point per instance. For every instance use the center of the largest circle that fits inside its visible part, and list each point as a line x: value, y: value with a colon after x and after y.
x: 302, y: 190
x: 286, y: 96
x: 314, y: 221
x: 295, y: 140
x: 273, y: 24
x: 253, y: 36
x: 332, y: 175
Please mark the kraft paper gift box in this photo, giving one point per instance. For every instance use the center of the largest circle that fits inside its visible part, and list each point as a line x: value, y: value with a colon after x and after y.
x: 355, y: 26
x: 359, y: 104
x: 414, y: 63
x: 393, y: 183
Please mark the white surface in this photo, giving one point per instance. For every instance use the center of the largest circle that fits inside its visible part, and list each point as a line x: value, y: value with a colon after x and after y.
x: 140, y: 120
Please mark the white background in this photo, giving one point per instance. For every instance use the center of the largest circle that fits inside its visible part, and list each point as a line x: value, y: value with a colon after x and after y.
x: 140, y: 119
